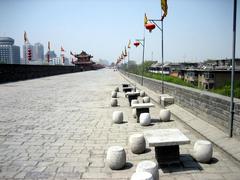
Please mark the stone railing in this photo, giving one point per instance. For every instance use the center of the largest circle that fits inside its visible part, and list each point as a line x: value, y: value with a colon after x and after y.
x: 210, y: 107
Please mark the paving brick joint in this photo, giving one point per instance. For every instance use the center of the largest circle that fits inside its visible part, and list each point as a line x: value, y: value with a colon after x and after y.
x: 60, y: 127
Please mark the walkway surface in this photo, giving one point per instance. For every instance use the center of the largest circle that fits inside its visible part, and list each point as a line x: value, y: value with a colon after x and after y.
x: 60, y: 127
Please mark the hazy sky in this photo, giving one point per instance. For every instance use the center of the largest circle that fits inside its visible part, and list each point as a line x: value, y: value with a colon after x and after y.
x: 193, y: 30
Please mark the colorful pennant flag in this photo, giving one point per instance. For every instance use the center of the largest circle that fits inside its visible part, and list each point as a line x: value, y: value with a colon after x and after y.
x: 145, y: 19
x: 25, y: 37
x: 164, y: 8
x: 125, y: 54
x: 129, y: 44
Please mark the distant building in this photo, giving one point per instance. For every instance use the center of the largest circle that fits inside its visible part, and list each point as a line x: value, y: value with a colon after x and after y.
x: 209, y: 79
x: 38, y: 52
x: 9, y: 53
x: 25, y: 59
x: 52, y: 55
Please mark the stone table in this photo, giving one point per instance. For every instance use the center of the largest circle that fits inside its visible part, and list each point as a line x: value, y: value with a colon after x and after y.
x: 142, y: 108
x: 166, y: 143
x: 127, y: 89
x: 131, y: 96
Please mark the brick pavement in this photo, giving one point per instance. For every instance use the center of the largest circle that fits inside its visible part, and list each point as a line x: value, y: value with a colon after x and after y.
x: 60, y: 127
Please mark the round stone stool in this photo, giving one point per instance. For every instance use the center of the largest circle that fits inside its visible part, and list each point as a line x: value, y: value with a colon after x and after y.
x: 202, y: 151
x: 134, y: 101
x: 114, y: 102
x: 117, y: 117
x: 114, y: 94
x: 116, y: 157
x: 116, y: 89
x: 148, y: 166
x: 134, y: 113
x: 137, y: 143
x: 165, y: 114
x: 146, y: 99
x: 142, y: 176
x: 142, y: 93
x: 145, y: 119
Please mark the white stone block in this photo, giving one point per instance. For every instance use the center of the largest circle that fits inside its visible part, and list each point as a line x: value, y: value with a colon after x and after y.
x: 114, y: 94
x: 165, y: 115
x: 134, y: 101
x: 114, y: 102
x: 116, y: 157
x: 134, y: 113
x: 137, y: 143
x: 146, y: 99
x: 142, y: 176
x: 202, y: 151
x: 142, y: 93
x: 148, y: 166
x: 145, y: 119
x: 117, y: 117
x: 116, y: 89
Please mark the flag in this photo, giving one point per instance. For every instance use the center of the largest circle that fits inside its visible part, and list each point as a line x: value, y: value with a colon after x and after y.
x: 129, y: 44
x: 145, y: 19
x: 48, y: 55
x: 164, y: 8
x: 48, y: 45
x: 125, y: 54
x: 62, y: 49
x: 71, y: 53
x: 25, y: 37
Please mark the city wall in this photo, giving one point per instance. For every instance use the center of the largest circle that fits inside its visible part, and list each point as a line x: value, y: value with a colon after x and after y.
x: 15, y: 72
x: 210, y: 107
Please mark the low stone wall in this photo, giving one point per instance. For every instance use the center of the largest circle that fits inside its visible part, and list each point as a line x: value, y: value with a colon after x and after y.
x: 15, y: 72
x: 211, y: 107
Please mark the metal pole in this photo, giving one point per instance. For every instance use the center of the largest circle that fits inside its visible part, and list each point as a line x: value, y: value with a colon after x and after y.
x: 143, y: 55
x: 162, y: 60
x: 128, y: 62
x: 233, y: 68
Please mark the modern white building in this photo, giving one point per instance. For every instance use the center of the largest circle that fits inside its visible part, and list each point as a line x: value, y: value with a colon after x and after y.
x: 38, y: 52
x: 9, y: 53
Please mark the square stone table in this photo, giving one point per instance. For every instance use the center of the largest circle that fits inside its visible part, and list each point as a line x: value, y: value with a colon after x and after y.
x: 131, y: 96
x: 166, y: 143
x: 125, y: 85
x: 142, y: 108
x: 127, y: 89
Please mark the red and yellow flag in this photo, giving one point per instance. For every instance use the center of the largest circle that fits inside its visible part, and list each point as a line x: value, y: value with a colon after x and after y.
x: 25, y: 37
x: 145, y: 19
x: 129, y: 44
x: 49, y: 45
x: 164, y: 8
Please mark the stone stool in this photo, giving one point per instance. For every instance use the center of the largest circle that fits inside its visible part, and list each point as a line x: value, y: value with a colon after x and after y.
x: 148, y: 166
x: 116, y: 157
x: 142, y: 176
x: 142, y: 93
x: 114, y: 94
x: 134, y: 101
x: 146, y: 99
x: 114, y: 102
x: 134, y: 113
x: 137, y: 143
x: 202, y: 151
x: 116, y: 89
x: 165, y: 114
x: 117, y: 117
x: 145, y: 119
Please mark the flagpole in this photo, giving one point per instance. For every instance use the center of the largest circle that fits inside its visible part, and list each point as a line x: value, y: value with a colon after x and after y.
x: 233, y: 68
x: 162, y: 56
x: 143, y: 54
